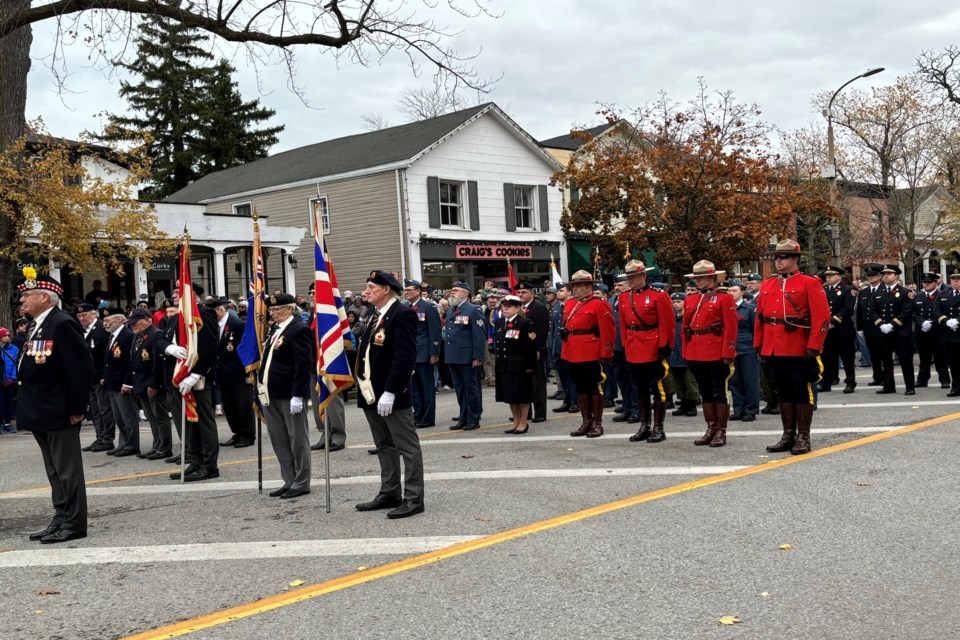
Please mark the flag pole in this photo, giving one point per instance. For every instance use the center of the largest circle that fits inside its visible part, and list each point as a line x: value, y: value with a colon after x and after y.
x: 259, y: 453
x: 183, y: 440
x: 326, y: 461
x: 321, y: 412
x: 252, y: 309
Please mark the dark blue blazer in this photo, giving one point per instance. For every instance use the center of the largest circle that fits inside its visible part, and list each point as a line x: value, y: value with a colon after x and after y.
x: 464, y: 335
x: 428, y: 329
x: 57, y: 387
x: 392, y: 354
x: 146, y: 356
x: 230, y: 370
x: 206, y: 348
x: 293, y: 364
x: 746, y: 322
x: 97, y: 341
x: 116, y: 361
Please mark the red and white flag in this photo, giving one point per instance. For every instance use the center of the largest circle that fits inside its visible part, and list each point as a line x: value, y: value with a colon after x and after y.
x: 190, y: 325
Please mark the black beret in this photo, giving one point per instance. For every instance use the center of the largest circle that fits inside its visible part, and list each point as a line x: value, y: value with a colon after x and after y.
x: 385, y: 279
x: 274, y: 301
x: 83, y: 307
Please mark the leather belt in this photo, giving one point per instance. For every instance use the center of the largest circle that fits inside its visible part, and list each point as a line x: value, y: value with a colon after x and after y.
x: 774, y: 321
x: 701, y: 332
x: 581, y: 332
x: 641, y: 327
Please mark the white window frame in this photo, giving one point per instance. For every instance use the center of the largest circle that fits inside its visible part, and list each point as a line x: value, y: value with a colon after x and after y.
x: 325, y: 218
x: 248, y: 204
x: 462, y: 209
x: 534, y: 207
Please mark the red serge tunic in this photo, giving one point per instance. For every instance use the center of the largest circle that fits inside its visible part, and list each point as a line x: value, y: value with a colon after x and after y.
x: 590, y: 328
x: 793, y: 315
x: 709, y: 326
x: 647, y: 323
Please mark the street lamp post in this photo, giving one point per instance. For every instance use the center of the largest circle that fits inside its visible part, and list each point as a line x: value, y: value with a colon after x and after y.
x: 831, y: 170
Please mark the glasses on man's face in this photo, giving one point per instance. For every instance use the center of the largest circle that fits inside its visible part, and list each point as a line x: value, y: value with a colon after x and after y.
x: 782, y: 257
x: 411, y: 290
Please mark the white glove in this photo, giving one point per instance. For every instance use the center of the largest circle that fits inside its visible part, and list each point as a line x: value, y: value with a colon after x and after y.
x: 953, y: 323
x: 886, y: 327
x: 177, y: 352
x: 188, y: 383
x: 385, y: 406
x: 296, y: 405
x: 927, y: 325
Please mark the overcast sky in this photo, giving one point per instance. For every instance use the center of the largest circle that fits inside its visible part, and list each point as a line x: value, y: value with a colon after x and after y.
x: 559, y: 57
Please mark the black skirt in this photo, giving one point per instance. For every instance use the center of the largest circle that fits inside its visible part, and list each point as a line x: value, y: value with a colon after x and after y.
x: 514, y: 388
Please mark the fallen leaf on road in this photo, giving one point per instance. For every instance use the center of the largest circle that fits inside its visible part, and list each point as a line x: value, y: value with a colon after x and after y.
x: 785, y: 547
x: 569, y: 449
x: 296, y: 583
x: 47, y: 592
x: 729, y: 620
x: 4, y: 549
x: 765, y: 594
x: 466, y: 456
x: 914, y: 407
x: 39, y: 611
x: 361, y: 568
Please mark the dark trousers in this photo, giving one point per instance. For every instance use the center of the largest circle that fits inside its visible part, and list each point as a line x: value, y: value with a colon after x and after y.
x: 565, y: 382
x: 237, y: 403
x: 63, y: 462
x: 158, y: 415
x: 837, y: 348
x: 396, y: 437
x: 124, y: 407
x: 102, y: 415
x: 745, y: 383
x: 202, y: 446
x: 628, y: 391
x: 423, y: 393
x: 768, y: 391
x: 713, y: 378
x: 466, y: 383
x: 649, y: 378
x: 6, y: 404
x: 932, y: 351
x: 894, y: 343
x: 875, y: 347
x: 953, y: 362
x: 538, y: 382
x: 796, y: 378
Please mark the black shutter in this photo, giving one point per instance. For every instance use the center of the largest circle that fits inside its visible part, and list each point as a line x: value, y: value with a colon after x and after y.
x: 509, y: 206
x: 544, y: 211
x: 433, y: 201
x: 473, y: 200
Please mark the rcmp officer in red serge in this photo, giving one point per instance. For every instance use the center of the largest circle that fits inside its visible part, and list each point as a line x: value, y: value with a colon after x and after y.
x: 647, y: 330
x: 709, y: 337
x: 841, y: 342
x: 55, y: 373
x: 386, y: 355
x: 892, y: 313
x: 793, y: 319
x: 588, y: 333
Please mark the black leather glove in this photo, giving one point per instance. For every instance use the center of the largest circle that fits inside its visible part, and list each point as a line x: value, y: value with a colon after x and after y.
x: 665, y: 352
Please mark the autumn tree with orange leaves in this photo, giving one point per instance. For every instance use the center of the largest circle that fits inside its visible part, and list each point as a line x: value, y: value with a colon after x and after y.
x: 693, y: 183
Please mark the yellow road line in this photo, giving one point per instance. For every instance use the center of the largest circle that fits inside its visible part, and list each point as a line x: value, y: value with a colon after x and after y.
x: 358, y: 578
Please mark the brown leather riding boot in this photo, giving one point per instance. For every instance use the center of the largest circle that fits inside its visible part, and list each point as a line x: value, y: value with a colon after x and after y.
x: 596, y: 427
x: 710, y: 415
x: 656, y: 433
x: 644, y: 431
x: 804, y: 418
x: 583, y: 401
x: 788, y: 417
x: 722, y: 413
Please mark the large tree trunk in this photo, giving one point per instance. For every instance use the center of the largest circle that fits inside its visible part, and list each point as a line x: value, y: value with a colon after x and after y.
x: 14, y: 66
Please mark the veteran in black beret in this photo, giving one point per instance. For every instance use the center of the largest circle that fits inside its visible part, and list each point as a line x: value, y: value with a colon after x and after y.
x: 55, y: 373
x: 145, y: 355
x: 386, y: 355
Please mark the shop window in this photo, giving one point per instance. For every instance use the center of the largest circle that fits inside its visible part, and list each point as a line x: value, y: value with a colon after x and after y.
x: 451, y: 204
x: 524, y: 205
x: 244, y: 209
x: 319, y: 207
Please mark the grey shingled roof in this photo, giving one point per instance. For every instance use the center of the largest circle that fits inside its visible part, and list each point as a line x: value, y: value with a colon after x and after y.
x: 569, y: 142
x: 332, y: 157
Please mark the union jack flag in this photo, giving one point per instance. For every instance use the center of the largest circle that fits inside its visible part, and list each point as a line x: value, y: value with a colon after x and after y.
x: 332, y: 331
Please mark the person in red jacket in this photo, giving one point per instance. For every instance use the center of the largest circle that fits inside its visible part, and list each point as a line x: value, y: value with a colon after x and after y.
x: 647, y: 330
x: 709, y: 338
x: 587, y: 334
x: 793, y: 318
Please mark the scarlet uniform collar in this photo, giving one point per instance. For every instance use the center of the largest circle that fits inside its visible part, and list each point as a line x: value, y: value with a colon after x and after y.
x: 788, y: 275
x: 707, y: 290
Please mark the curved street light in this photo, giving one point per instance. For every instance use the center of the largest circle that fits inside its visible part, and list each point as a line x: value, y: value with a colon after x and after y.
x: 831, y: 169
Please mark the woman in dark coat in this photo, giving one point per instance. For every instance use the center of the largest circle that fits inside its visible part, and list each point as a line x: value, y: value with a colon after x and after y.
x: 515, y: 346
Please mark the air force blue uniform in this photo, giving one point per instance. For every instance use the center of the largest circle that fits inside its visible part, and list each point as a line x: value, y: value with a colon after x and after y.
x: 422, y: 390
x: 465, y: 340
x: 745, y: 383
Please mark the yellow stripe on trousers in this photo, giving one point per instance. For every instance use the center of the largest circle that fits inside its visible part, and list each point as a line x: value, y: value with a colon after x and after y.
x: 666, y: 372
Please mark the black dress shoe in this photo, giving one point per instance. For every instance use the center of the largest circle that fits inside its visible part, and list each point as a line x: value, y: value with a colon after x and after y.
x: 380, y: 502
x: 126, y: 452
x: 241, y: 443
x: 317, y: 447
x: 882, y: 391
x: 202, y: 474
x: 574, y: 408
x: 620, y: 417
x: 113, y: 451
x: 509, y: 430
x: 748, y: 417
x: 874, y: 383
x: 373, y: 451
x: 42, y: 534
x: 539, y: 419
x: 405, y: 510
x: 62, y: 535
x: 294, y: 493
x: 849, y: 388
x: 609, y: 404
x: 909, y: 392
x: 147, y: 454
x: 425, y: 425
x: 191, y: 468
x: 229, y: 443
x: 920, y: 385
x: 634, y: 419
x: 457, y: 427
x: 562, y: 408
x: 157, y: 455
x: 101, y: 446
x: 470, y: 427
x: 173, y: 459
x: 953, y: 394
x: 276, y: 493
x: 337, y: 447
x: 517, y: 432
x: 736, y: 416
x: 90, y: 446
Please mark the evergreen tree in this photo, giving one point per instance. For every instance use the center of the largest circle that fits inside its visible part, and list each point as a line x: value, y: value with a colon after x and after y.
x: 227, y: 134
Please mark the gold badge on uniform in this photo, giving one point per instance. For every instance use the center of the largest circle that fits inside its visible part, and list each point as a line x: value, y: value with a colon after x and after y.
x: 40, y: 358
x: 116, y: 352
x: 379, y: 337
x: 229, y: 346
x: 144, y: 355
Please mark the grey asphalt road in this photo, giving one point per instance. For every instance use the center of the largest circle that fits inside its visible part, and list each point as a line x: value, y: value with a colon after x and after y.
x: 871, y: 528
